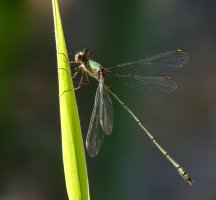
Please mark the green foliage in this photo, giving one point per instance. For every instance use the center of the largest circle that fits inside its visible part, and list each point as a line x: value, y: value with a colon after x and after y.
x: 72, y: 144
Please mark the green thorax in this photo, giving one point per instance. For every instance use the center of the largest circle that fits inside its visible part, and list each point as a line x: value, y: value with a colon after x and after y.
x: 93, y: 66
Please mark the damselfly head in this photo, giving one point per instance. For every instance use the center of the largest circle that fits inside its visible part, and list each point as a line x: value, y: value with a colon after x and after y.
x: 82, y: 56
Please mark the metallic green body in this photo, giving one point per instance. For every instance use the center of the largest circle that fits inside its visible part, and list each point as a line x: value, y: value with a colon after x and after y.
x: 93, y: 66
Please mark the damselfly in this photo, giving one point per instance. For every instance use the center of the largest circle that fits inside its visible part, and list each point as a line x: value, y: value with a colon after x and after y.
x: 150, y: 74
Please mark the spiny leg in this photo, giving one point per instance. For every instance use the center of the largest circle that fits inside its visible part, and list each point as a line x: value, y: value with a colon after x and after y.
x: 66, y: 91
x: 62, y: 68
x: 75, y: 74
x: 68, y: 61
x: 81, y: 82
x: 77, y: 71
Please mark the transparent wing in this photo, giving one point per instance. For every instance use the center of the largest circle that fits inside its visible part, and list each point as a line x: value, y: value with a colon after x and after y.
x: 95, y: 133
x: 156, y: 65
x: 150, y: 74
x: 101, y: 122
x: 155, y: 84
x: 106, y: 109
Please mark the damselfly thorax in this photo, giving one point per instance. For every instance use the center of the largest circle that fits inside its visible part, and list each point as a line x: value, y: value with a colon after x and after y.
x: 87, y: 67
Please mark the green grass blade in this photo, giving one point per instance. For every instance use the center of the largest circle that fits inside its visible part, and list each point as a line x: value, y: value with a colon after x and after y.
x: 72, y: 144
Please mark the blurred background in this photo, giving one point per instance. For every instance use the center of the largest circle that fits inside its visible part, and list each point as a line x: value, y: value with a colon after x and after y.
x: 128, y: 165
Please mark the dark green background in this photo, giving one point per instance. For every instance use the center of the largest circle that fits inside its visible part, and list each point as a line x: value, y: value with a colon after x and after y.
x: 128, y: 165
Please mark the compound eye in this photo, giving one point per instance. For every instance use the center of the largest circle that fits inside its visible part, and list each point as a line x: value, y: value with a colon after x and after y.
x: 79, y: 57
x: 86, y: 52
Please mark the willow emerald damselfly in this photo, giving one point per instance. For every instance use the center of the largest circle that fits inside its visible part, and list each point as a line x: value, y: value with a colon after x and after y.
x: 149, y: 74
